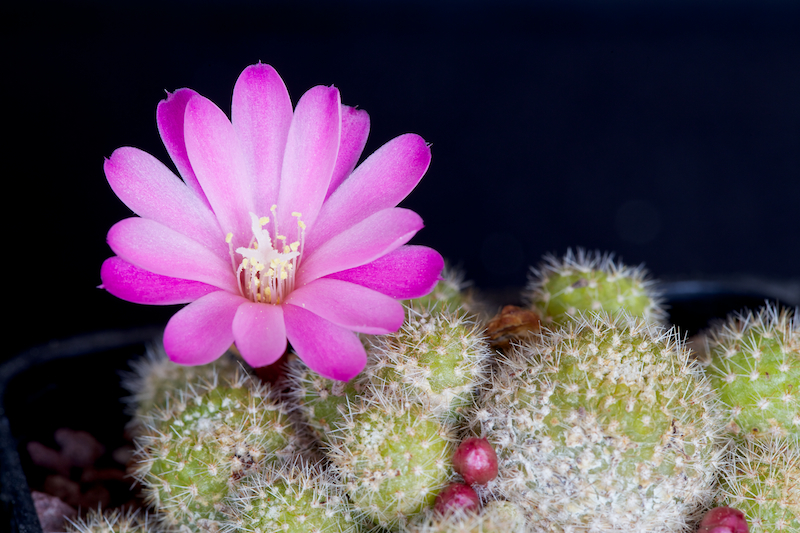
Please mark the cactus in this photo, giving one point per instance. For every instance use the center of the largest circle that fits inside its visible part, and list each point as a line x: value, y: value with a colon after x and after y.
x: 605, y: 425
x: 755, y: 366
x: 559, y: 289
x: 154, y: 379
x: 293, y: 498
x: 438, y: 358
x: 764, y: 483
x: 192, y: 453
x: 495, y: 517
x: 392, y: 456
x: 115, y: 521
x: 448, y: 294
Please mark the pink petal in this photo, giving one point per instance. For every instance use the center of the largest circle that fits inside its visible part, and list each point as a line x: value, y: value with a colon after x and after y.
x: 201, y: 332
x: 407, y: 272
x: 169, y: 117
x: 152, y: 191
x: 380, y: 182
x: 151, y: 246
x: 140, y: 286
x: 220, y: 167
x: 355, y: 129
x: 310, y: 158
x: 365, y: 242
x: 260, y: 333
x: 261, y: 114
x: 349, y: 305
x: 329, y: 350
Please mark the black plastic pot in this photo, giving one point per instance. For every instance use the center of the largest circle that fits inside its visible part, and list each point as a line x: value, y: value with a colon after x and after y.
x: 75, y: 383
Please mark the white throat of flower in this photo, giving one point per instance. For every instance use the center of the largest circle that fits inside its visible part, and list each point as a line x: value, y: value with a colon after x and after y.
x: 266, y: 271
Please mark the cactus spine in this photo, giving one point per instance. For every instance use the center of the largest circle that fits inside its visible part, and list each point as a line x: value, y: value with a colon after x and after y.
x: 605, y: 425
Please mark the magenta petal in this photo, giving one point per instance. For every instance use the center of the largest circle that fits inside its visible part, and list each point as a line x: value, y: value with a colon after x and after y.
x: 260, y: 333
x: 169, y: 117
x: 152, y: 191
x: 140, y: 286
x: 151, y: 246
x: 355, y: 130
x: 310, y: 157
x: 261, y: 114
x: 201, y: 332
x: 365, y: 242
x: 407, y: 272
x: 220, y: 167
x: 329, y: 350
x: 349, y: 305
x: 380, y: 182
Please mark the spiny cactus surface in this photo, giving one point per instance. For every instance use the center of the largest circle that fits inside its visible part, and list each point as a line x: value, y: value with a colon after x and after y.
x: 583, y: 281
x: 193, y: 453
x: 605, y: 425
x: 755, y: 366
x: 763, y: 482
x: 494, y: 517
x: 115, y: 521
x: 293, y: 498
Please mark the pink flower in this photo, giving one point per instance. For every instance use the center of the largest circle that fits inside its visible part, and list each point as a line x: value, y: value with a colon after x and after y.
x: 272, y: 234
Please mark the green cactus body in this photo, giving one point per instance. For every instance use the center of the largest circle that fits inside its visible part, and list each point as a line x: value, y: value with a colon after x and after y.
x: 495, y: 517
x: 605, y: 425
x: 294, y: 498
x: 438, y: 359
x: 763, y: 482
x: 192, y: 454
x: 754, y: 363
x: 115, y: 521
x: 155, y: 379
x: 393, y: 458
x: 590, y: 281
x: 323, y: 402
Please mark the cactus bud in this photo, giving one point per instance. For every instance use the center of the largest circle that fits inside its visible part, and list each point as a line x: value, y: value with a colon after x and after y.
x: 723, y: 520
x: 476, y: 461
x: 457, y: 497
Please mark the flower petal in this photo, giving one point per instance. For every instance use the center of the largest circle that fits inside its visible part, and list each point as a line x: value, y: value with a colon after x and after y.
x: 407, y: 272
x: 260, y: 333
x: 220, y: 167
x: 366, y: 241
x: 355, y: 129
x: 329, y: 350
x: 380, y: 182
x: 349, y: 305
x: 140, y: 286
x: 152, y: 191
x: 201, y: 332
x: 169, y: 117
x: 261, y: 114
x: 151, y: 246
x: 311, y: 152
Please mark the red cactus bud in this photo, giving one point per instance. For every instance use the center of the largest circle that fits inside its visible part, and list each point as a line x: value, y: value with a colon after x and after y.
x: 476, y: 461
x: 455, y: 497
x: 723, y: 520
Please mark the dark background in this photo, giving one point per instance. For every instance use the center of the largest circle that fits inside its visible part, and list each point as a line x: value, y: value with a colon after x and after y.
x: 668, y: 132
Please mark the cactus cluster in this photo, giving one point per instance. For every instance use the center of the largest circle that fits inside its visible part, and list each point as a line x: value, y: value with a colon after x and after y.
x: 602, y: 420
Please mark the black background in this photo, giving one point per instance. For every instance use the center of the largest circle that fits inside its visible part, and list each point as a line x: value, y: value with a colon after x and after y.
x: 668, y: 132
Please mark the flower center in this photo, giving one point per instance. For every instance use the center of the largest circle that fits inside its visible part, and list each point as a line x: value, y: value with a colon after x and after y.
x: 267, y: 267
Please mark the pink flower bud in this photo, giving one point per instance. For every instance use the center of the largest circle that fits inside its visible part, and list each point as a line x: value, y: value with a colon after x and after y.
x: 457, y: 497
x: 476, y: 461
x: 723, y: 520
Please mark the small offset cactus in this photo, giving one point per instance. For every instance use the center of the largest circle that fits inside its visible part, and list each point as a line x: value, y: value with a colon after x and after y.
x: 115, y: 521
x: 392, y: 456
x: 449, y: 294
x: 155, y: 379
x: 754, y: 363
x: 590, y: 281
x: 605, y: 425
x: 438, y: 359
x: 763, y: 481
x: 192, y: 453
x: 293, y: 498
